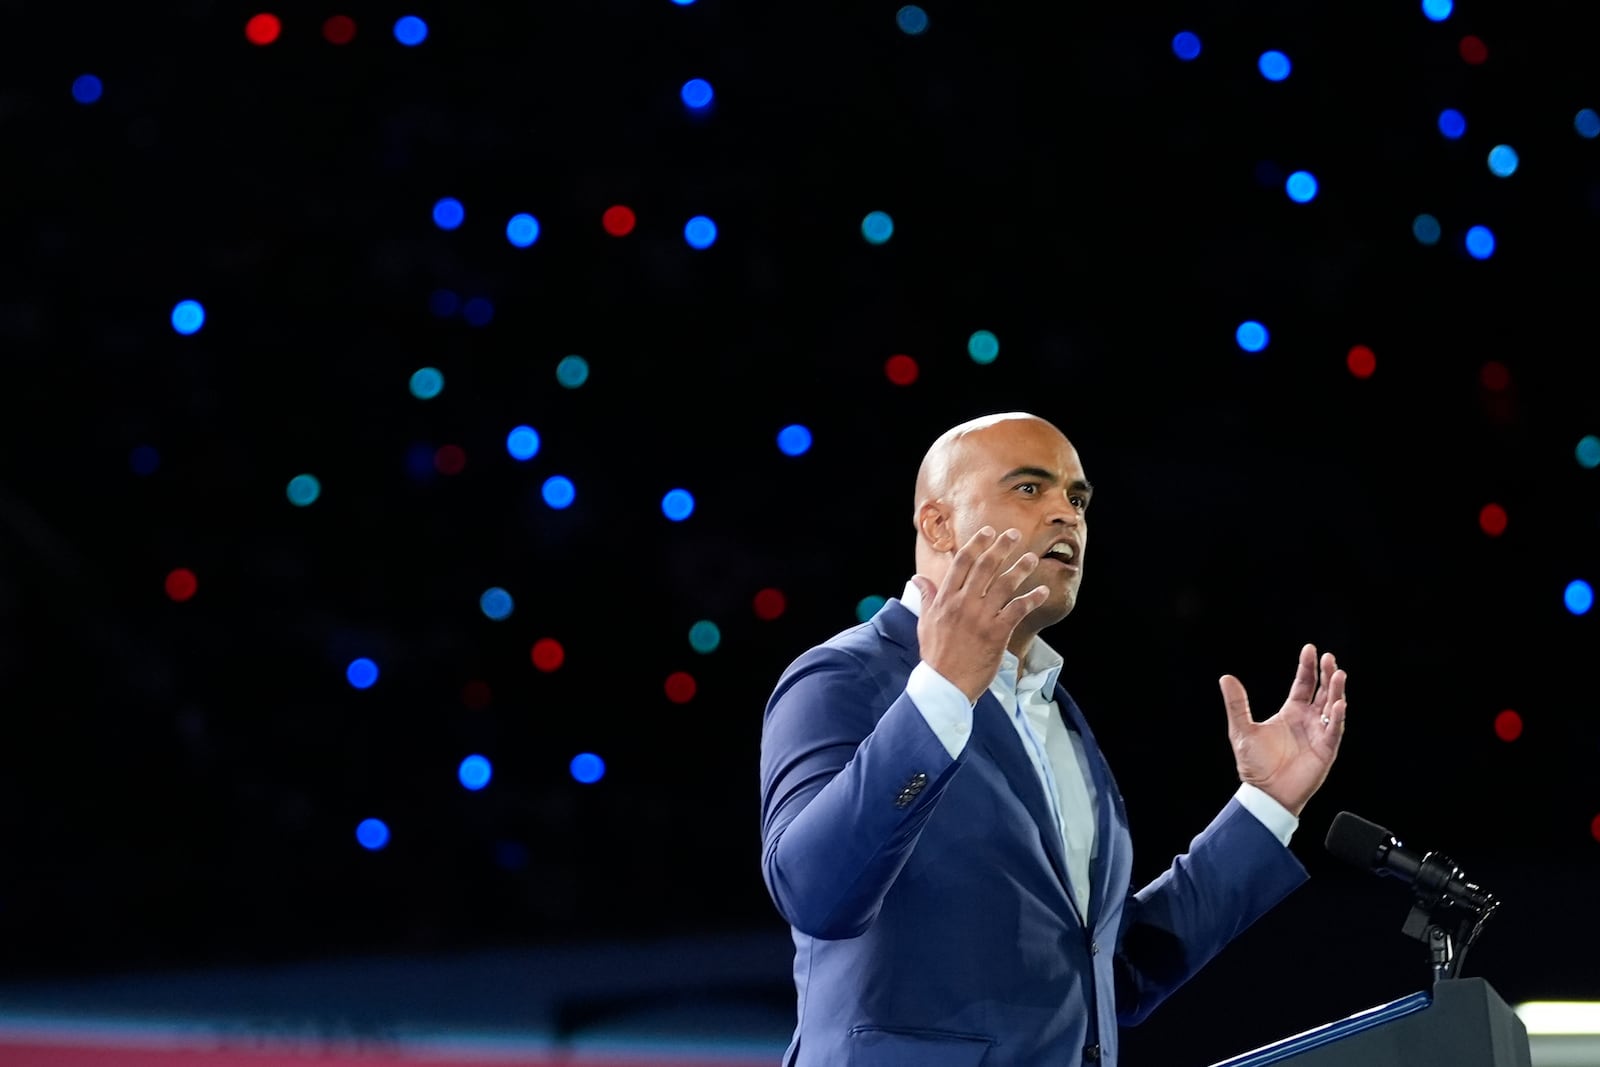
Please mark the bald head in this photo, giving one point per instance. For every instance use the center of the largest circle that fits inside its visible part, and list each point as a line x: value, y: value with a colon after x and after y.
x: 946, y: 457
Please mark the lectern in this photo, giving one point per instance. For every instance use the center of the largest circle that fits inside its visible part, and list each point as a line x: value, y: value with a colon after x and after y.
x: 1462, y: 1022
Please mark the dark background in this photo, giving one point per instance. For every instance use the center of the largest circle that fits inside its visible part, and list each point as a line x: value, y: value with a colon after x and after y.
x: 180, y: 782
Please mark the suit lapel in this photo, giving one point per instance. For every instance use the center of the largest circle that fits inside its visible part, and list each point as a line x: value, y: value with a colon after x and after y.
x: 1105, y: 794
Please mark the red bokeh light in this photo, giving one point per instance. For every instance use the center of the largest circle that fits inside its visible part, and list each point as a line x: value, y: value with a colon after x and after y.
x: 1492, y: 519
x: 182, y: 584
x: 1594, y: 828
x: 1508, y: 725
x: 1361, y: 361
x: 263, y: 28
x: 769, y: 604
x: 548, y: 654
x: 340, y: 29
x: 618, y: 220
x: 1495, y: 377
x: 680, y: 687
x: 476, y: 695
x: 1473, y: 50
x: 902, y: 370
x: 450, y: 459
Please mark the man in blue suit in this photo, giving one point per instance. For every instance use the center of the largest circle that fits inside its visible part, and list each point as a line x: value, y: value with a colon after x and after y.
x: 939, y: 827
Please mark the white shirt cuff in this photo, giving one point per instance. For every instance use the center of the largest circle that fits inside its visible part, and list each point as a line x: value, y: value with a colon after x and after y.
x: 1273, y: 816
x: 943, y: 706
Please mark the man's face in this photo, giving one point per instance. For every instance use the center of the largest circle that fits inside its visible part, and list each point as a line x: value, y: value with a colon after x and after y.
x: 1023, y: 474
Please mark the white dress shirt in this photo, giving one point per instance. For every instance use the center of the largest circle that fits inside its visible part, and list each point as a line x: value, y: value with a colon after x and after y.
x: 1056, y: 752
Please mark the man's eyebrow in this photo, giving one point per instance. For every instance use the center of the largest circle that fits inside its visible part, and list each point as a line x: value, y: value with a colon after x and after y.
x: 1081, y: 484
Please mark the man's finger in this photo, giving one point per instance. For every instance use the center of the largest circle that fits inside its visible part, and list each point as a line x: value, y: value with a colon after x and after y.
x: 966, y: 555
x: 1305, y: 676
x: 1020, y: 607
x: 1236, y: 702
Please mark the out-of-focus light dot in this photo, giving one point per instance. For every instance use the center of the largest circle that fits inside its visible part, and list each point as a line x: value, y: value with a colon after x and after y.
x: 1251, y: 336
x: 361, y: 673
x: 1480, y: 242
x: 427, y: 383
x: 1587, y: 123
x: 303, y: 490
x: 410, y: 30
x: 547, y: 654
x: 1301, y: 187
x: 339, y: 29
x: 512, y: 856
x: 1579, y: 596
x: 704, y: 636
x: 1495, y: 377
x: 678, y: 504
x: 1503, y: 161
x: 1492, y: 520
x: 877, y: 227
x: 1594, y: 828
x: 476, y: 695
x: 696, y: 94
x: 680, y: 687
x: 868, y: 606
x: 1588, y: 451
x: 474, y: 772
x: 1452, y: 123
x: 1425, y: 228
x: 86, y: 88
x: 618, y: 220
x: 450, y: 459
x: 1438, y: 10
x: 1473, y: 50
x: 443, y: 303
x: 900, y: 369
x: 188, y: 316
x: 700, y: 232
x: 496, y: 603
x: 478, y: 311
x: 522, y: 230
x: 182, y: 584
x: 794, y: 440
x: 558, y: 491
x: 683, y: 3
x: 983, y: 346
x: 587, y: 768
x: 572, y: 371
x: 523, y: 443
x: 911, y: 19
x: 144, y: 460
x: 1508, y: 725
x: 1274, y: 66
x: 769, y: 604
x: 420, y: 461
x: 372, y: 834
x: 262, y: 29
x: 1361, y: 360
x: 1186, y: 46
x: 448, y: 213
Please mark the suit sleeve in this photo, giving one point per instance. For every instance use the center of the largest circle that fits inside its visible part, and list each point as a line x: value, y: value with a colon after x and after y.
x: 1234, y: 872
x: 850, y: 773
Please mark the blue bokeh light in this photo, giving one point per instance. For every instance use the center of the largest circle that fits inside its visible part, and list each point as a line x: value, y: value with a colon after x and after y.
x: 478, y: 311
x: 188, y: 316
x: 678, y: 504
x: 496, y: 603
x: 86, y: 88
x: 877, y: 227
x: 911, y: 19
x: 1301, y: 187
x: 427, y: 383
x: 588, y: 768
x: 1579, y: 596
x: 700, y: 232
x: 1274, y: 66
x: 523, y: 443
x: 361, y: 673
x: 410, y: 31
x: 1503, y: 161
x: 419, y: 462
x: 983, y: 347
x: 559, y: 492
x: 1587, y: 123
x: 1588, y: 451
x: 1452, y: 123
x: 444, y: 303
x: 1438, y: 10
x: 304, y: 489
x: 705, y: 636
x: 1425, y: 228
x: 1480, y: 242
x: 696, y: 94
x: 794, y: 440
x: 1252, y: 336
x: 373, y: 834
x: 522, y: 230
x: 572, y: 371
x: 868, y: 606
x: 448, y: 213
x: 144, y: 460
x: 474, y: 772
x: 1186, y: 46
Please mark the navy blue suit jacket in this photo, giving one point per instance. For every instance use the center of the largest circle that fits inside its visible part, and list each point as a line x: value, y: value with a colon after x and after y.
x: 932, y: 917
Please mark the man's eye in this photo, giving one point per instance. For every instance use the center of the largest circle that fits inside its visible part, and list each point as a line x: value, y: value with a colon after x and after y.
x: 1079, y: 502
x: 1031, y: 487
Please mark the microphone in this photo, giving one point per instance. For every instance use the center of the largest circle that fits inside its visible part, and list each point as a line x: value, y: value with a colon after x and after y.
x: 1433, y: 876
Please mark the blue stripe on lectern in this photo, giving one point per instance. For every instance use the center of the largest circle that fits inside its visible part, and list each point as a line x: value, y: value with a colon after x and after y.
x: 1279, y: 1051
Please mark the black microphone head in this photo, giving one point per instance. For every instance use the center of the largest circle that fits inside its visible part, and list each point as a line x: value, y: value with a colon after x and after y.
x: 1355, y: 840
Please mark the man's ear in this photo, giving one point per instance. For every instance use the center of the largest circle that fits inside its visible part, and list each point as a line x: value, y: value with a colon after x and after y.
x: 933, y: 523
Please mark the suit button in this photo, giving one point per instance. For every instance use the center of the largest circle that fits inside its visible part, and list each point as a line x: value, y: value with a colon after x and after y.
x: 1092, y: 1053
x: 908, y: 792
x: 1094, y: 948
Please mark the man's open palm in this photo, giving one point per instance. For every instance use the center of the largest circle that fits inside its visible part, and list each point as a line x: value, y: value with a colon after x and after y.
x: 1289, y: 755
